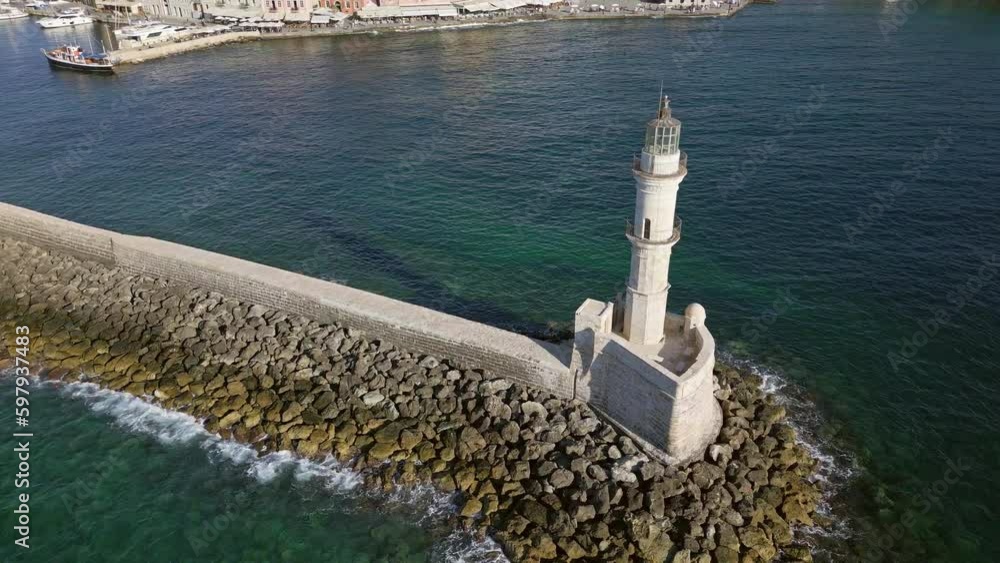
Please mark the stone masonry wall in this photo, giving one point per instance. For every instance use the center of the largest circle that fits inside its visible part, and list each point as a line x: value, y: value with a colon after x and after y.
x: 520, y: 358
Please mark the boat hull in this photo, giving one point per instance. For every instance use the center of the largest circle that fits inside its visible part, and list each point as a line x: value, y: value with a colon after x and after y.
x: 54, y: 25
x: 69, y: 65
x: 12, y: 16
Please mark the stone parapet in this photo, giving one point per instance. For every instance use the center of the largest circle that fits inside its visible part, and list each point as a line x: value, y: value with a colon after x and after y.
x: 520, y: 358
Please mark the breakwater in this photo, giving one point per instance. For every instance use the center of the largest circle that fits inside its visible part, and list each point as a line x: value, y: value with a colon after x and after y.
x: 540, y: 472
x: 134, y: 56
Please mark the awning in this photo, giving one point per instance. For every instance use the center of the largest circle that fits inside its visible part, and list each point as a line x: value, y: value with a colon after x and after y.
x: 273, y: 16
x: 269, y: 25
x: 322, y: 20
x: 117, y: 3
x: 296, y: 17
x: 230, y: 12
x: 476, y: 6
x: 508, y: 4
x: 375, y: 12
x: 440, y: 10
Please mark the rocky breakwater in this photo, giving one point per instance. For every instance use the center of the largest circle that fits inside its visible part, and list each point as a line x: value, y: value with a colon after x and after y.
x: 544, y: 476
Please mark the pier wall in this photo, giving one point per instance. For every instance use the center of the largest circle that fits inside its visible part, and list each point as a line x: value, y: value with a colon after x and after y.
x: 130, y: 56
x: 517, y: 357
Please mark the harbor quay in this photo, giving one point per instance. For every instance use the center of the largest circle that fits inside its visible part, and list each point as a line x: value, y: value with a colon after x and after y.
x: 203, y: 25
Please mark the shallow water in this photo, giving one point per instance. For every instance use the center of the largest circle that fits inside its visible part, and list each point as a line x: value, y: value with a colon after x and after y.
x: 114, y: 478
x: 485, y: 173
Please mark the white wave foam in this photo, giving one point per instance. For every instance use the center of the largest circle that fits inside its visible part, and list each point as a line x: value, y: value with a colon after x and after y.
x: 462, y: 547
x: 171, y: 427
x: 429, y: 506
x: 432, y: 505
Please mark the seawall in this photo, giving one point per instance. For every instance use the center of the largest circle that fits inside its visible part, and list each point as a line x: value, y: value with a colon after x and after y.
x: 532, y: 362
x: 132, y: 56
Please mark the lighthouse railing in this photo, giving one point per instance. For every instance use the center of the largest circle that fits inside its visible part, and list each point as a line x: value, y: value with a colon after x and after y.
x: 630, y: 232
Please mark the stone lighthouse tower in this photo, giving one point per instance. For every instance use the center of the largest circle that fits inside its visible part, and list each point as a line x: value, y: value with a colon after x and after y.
x: 648, y: 370
x: 654, y: 230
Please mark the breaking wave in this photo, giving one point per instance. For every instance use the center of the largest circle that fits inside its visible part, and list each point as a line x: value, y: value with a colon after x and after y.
x: 430, y: 508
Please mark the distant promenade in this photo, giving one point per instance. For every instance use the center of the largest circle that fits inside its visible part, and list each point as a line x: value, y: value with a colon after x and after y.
x: 627, y: 10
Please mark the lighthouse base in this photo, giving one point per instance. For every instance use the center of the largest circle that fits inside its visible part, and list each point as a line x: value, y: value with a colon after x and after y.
x: 662, y: 394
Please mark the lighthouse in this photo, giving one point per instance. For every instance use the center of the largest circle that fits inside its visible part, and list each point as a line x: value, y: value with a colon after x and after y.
x: 655, y: 229
x: 648, y: 370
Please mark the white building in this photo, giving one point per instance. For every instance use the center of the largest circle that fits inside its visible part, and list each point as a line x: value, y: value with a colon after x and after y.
x: 198, y: 9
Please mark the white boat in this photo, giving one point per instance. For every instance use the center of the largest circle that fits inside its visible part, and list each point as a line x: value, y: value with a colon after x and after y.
x: 11, y: 14
x: 151, y: 34
x: 66, y: 18
x: 135, y: 27
x: 37, y: 4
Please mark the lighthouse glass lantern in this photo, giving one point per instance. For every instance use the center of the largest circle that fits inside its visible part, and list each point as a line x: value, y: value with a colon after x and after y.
x: 663, y: 134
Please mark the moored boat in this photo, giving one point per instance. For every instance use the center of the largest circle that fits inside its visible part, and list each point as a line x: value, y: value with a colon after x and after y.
x: 134, y: 27
x: 72, y: 57
x: 151, y: 34
x: 66, y: 18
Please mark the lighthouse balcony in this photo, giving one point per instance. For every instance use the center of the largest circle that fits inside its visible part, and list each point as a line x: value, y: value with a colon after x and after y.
x: 659, y: 166
x: 642, y: 236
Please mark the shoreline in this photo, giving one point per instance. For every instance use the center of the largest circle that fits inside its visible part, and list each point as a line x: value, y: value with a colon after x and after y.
x: 155, y: 52
x: 545, y: 477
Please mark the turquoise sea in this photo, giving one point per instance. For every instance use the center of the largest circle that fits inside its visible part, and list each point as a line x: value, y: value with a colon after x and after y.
x: 841, y: 225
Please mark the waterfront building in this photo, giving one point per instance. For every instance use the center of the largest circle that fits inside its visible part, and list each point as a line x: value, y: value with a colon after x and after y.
x: 292, y: 11
x: 345, y: 6
x: 128, y: 8
x: 181, y: 9
x: 394, y: 9
x: 633, y: 356
x: 232, y: 8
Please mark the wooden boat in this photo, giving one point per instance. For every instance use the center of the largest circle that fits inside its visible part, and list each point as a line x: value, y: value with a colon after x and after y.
x: 72, y: 57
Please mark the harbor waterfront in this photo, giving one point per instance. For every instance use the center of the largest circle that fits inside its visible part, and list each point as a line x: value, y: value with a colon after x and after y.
x: 251, y: 23
x: 842, y: 199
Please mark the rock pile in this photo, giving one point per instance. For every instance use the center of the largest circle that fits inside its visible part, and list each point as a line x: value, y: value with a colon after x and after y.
x: 546, y: 477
